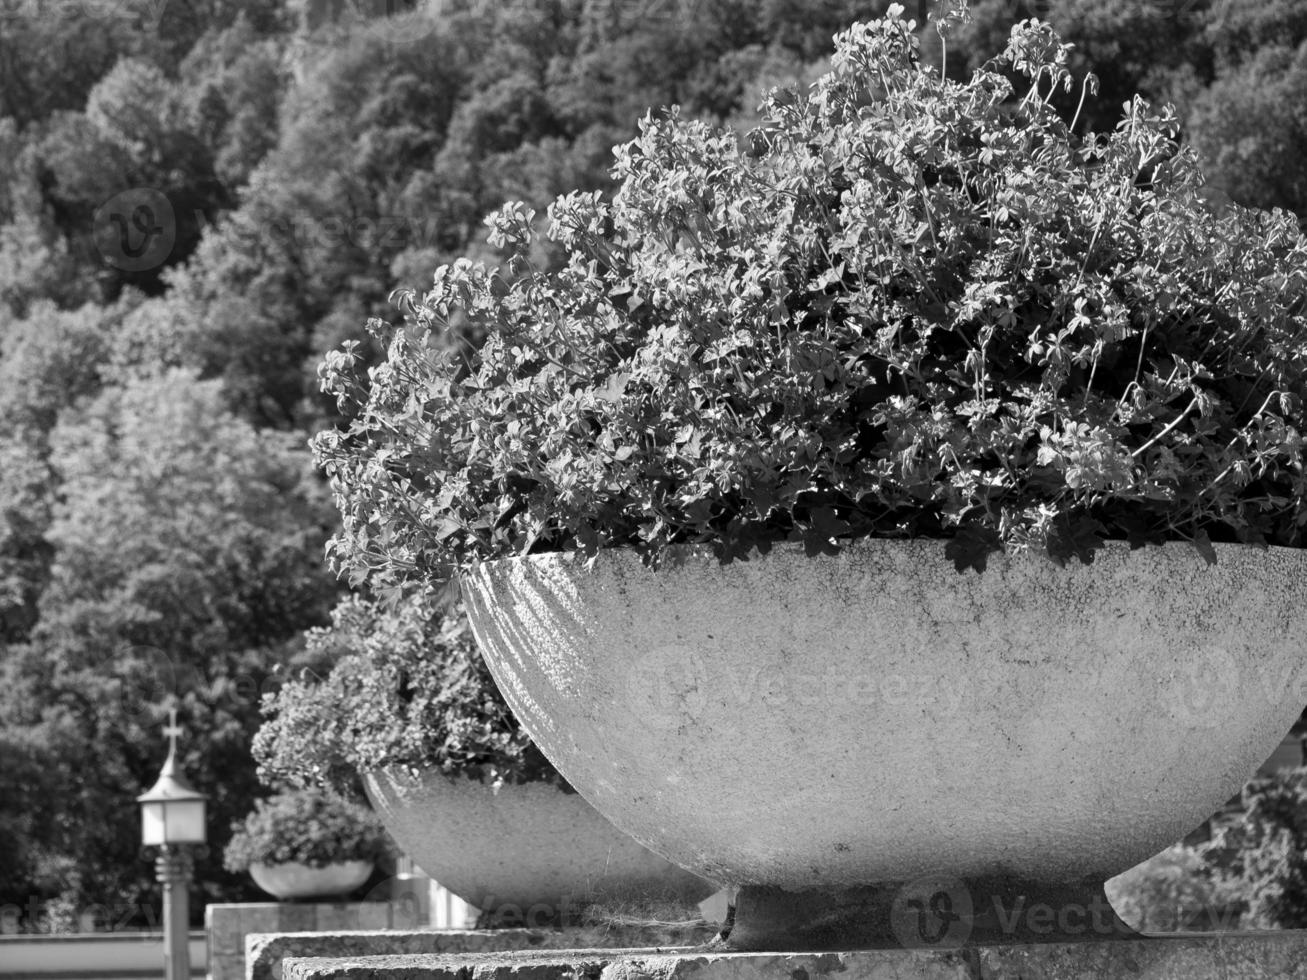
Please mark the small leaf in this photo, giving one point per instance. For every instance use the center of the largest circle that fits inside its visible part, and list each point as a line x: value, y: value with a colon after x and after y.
x: 972, y: 546
x: 508, y: 513
x: 1074, y: 536
x: 814, y: 544
x: 1204, y: 545
x: 446, y: 528
x: 613, y: 389
x: 1136, y: 530
x: 827, y: 523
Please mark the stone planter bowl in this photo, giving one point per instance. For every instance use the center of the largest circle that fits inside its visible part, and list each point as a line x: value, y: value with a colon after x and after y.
x: 291, y: 879
x: 526, y: 854
x: 881, y: 751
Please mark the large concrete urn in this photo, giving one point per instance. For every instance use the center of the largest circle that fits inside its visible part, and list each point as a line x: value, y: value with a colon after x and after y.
x: 879, y: 750
x: 525, y: 854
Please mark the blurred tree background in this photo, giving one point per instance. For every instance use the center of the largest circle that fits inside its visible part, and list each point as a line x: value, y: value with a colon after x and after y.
x: 197, y: 200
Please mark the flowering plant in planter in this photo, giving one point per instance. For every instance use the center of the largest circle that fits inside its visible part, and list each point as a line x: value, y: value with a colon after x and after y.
x: 406, y: 689
x: 306, y: 827
x: 908, y: 307
x: 410, y: 716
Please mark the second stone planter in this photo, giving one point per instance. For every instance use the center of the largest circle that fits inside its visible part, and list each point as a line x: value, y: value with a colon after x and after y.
x: 291, y: 880
x: 526, y: 854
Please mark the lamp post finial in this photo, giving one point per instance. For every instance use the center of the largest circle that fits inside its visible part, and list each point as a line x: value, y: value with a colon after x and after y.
x: 172, y: 730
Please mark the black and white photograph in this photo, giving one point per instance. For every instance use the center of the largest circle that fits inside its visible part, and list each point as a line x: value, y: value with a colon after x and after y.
x: 653, y: 489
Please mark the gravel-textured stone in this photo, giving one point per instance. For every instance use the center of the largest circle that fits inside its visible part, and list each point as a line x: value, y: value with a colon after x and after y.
x: 264, y: 954
x: 1235, y: 956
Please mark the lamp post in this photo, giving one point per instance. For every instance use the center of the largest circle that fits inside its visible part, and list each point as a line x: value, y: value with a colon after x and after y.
x: 172, y: 816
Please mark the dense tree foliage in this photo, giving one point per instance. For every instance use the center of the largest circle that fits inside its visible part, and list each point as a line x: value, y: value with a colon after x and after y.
x: 1262, y: 856
x: 184, y: 557
x: 198, y: 199
x: 195, y: 201
x: 1251, y: 122
x: 1132, y: 47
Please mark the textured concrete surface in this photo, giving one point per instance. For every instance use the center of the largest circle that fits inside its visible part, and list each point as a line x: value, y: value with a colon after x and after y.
x: 1232, y: 956
x: 924, y: 913
x: 530, y: 852
x: 874, y: 717
x: 266, y: 953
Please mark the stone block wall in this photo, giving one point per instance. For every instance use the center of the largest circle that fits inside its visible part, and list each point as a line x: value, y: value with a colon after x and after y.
x: 226, y: 926
x: 265, y: 954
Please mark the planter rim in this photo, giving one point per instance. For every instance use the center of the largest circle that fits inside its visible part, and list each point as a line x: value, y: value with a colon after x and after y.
x: 679, y: 554
x: 404, y: 771
x: 483, y: 840
x: 337, y: 863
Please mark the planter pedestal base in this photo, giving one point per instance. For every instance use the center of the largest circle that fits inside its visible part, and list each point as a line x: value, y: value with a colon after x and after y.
x: 265, y: 954
x: 926, y: 913
x: 1193, y: 956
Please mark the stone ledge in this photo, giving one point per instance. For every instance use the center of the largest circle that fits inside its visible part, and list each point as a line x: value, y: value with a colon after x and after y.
x: 265, y: 953
x: 227, y: 926
x: 1190, y: 956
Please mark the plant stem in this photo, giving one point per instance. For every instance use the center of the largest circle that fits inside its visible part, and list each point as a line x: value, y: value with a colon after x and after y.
x: 1165, y: 432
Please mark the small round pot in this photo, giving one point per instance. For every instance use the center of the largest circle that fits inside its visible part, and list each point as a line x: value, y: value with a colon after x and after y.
x: 294, y: 880
x: 524, y: 854
x: 880, y: 751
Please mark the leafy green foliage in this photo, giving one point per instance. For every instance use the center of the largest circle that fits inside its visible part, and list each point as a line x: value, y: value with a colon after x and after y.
x: 49, y: 361
x: 912, y: 307
x: 182, y: 564
x: 134, y: 133
x: 1262, y: 857
x: 310, y: 172
x: 405, y: 688
x: 232, y: 86
x: 1251, y: 125
x: 1158, y: 50
x: 389, y: 155
x: 52, y: 55
x: 1240, y: 29
x: 308, y: 827
x: 1173, y: 891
